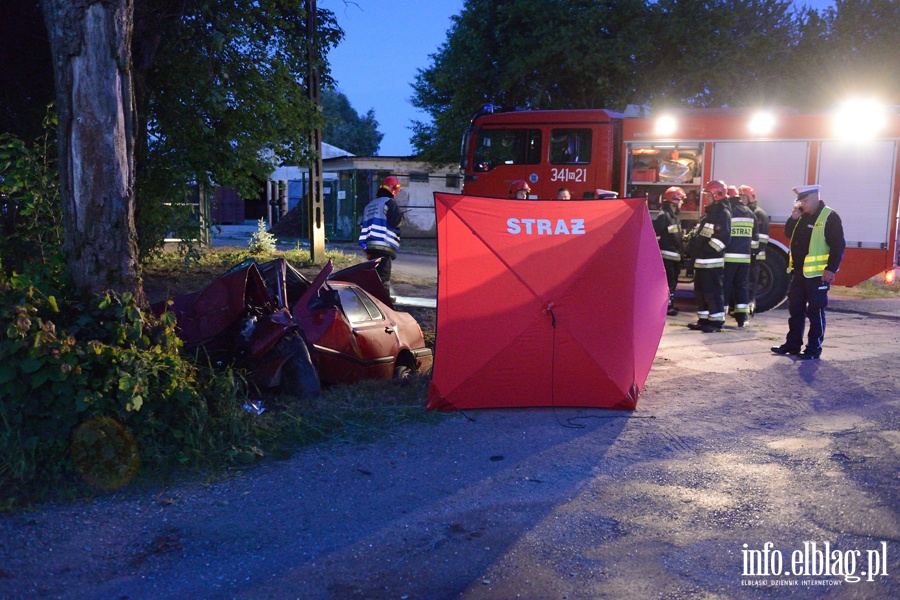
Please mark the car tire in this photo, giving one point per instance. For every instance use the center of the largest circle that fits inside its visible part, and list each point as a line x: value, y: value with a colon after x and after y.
x: 298, y: 375
x: 402, y: 372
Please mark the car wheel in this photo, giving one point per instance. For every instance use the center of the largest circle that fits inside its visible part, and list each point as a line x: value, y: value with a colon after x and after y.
x: 403, y: 372
x: 298, y: 375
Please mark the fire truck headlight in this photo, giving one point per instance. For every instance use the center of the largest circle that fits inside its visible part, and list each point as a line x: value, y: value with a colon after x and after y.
x: 762, y: 123
x: 859, y: 119
x: 666, y: 125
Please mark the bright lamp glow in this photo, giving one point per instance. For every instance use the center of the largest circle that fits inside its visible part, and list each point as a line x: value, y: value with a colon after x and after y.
x: 890, y: 276
x: 859, y: 119
x: 666, y: 125
x: 762, y: 123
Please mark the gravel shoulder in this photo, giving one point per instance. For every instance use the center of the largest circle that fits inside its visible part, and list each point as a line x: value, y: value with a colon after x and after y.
x: 730, y: 447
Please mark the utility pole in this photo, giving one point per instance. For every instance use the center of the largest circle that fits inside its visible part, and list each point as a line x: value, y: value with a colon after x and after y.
x: 315, y: 204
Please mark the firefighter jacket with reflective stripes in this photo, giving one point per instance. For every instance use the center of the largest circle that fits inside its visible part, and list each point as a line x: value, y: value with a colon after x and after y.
x: 762, y: 225
x: 668, y: 232
x: 743, y: 233
x: 381, y: 226
x: 817, y: 241
x: 711, y: 235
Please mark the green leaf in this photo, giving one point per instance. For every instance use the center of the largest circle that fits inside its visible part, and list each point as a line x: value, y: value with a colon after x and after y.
x: 7, y: 372
x: 30, y: 365
x: 136, y: 403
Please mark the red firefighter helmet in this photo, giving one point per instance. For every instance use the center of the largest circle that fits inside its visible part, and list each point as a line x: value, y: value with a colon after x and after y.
x: 674, y: 194
x: 517, y: 185
x: 746, y: 190
x: 391, y: 184
x: 732, y: 191
x: 717, y: 189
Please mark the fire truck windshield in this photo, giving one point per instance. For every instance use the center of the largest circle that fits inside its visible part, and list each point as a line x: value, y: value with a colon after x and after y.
x: 495, y: 147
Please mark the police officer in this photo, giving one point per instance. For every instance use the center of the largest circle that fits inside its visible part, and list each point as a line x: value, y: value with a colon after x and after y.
x: 817, y: 247
x: 380, y: 235
x: 707, y: 246
x: 758, y: 250
x: 737, y: 256
x: 667, y: 226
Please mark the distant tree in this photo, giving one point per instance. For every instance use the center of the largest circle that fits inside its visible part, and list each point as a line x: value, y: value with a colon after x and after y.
x: 221, y: 90
x: 549, y: 54
x: 862, y: 50
x: 346, y: 129
x: 528, y: 54
x: 713, y: 54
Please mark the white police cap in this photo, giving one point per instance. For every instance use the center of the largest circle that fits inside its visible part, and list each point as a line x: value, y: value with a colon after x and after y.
x: 606, y: 194
x: 805, y: 189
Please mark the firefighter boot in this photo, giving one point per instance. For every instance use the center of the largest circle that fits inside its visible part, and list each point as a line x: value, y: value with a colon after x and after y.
x: 700, y: 325
x: 712, y: 327
x: 741, y: 319
x: 672, y: 311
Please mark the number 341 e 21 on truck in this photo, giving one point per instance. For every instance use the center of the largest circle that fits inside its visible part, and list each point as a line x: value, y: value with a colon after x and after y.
x: 852, y: 153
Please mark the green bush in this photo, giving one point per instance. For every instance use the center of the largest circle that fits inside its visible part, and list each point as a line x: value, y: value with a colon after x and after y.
x: 64, y: 363
x: 30, y: 210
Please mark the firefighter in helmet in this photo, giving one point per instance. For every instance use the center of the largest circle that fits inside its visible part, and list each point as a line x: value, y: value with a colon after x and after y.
x: 710, y: 236
x: 519, y: 190
x: 667, y: 226
x: 758, y: 251
x: 744, y: 235
x: 380, y: 235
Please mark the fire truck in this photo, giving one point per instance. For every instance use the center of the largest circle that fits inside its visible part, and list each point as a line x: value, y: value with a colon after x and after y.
x: 852, y: 154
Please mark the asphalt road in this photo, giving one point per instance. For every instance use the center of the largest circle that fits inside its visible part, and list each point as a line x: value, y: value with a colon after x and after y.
x: 740, y: 475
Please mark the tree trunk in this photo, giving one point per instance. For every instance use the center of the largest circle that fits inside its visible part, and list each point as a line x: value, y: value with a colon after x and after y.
x: 91, y: 46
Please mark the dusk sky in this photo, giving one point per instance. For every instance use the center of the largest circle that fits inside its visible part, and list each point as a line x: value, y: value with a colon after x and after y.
x: 386, y: 42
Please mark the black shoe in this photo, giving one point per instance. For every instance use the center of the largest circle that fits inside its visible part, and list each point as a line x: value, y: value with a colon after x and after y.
x: 712, y: 327
x: 810, y: 354
x: 785, y: 349
x: 699, y: 325
x: 672, y: 311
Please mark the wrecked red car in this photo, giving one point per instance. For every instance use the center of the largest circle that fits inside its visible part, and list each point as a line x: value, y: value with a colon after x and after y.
x: 350, y: 324
x: 236, y: 321
x: 286, y: 330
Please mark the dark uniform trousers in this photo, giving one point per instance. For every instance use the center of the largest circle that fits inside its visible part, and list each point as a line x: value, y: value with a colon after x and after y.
x: 709, y: 291
x: 737, y: 284
x: 807, y: 299
x: 672, y: 269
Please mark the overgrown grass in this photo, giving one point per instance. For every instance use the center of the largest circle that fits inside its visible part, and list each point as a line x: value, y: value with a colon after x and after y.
x: 360, y: 412
x: 173, y: 273
x: 871, y: 288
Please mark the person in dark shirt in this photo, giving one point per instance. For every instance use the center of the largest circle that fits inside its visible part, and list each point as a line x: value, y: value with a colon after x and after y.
x: 817, y: 248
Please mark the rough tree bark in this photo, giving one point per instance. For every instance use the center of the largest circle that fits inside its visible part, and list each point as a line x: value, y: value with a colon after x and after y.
x: 91, y: 47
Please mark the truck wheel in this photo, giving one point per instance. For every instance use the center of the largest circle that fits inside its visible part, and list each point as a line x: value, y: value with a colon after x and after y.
x: 298, y: 375
x: 772, y: 288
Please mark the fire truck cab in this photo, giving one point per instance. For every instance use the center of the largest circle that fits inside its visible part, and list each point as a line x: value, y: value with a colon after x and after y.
x: 857, y: 166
